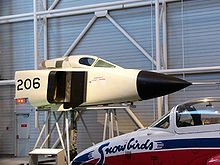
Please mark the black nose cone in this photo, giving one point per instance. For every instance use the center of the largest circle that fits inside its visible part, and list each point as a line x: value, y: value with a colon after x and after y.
x: 151, y: 84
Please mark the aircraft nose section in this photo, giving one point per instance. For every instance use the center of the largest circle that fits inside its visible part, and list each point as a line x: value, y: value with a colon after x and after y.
x: 151, y: 84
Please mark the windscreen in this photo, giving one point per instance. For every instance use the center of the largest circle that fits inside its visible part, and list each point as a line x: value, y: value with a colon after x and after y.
x: 163, y: 122
x: 102, y: 63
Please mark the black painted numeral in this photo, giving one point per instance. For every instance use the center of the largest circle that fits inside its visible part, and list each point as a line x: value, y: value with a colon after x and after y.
x: 36, y: 83
x: 28, y: 84
x: 20, y: 83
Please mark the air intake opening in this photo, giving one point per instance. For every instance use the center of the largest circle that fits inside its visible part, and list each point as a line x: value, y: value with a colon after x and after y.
x: 67, y: 87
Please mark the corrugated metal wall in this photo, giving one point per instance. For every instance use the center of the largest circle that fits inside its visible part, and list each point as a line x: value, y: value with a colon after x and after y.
x: 193, y: 40
x: 15, y: 7
x: 197, y: 31
x: 16, y: 53
x: 7, y: 126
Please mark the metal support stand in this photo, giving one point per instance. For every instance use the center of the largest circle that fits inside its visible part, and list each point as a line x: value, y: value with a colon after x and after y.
x: 110, y: 123
x: 111, y: 120
x: 60, y: 134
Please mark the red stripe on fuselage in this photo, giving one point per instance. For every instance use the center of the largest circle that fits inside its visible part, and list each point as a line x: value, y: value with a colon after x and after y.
x: 168, y: 157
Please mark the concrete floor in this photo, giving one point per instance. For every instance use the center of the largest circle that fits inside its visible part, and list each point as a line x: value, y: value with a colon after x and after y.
x: 13, y: 160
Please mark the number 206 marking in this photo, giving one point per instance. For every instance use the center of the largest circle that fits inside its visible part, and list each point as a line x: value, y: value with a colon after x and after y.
x: 28, y: 84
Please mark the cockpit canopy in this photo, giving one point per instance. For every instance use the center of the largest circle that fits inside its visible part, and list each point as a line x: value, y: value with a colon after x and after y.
x: 77, y: 61
x: 201, y: 112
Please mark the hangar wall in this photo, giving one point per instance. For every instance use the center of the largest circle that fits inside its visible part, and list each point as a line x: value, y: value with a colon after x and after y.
x: 193, y: 41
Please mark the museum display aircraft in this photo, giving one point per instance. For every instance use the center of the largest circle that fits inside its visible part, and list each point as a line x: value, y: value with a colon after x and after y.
x: 83, y: 80
x: 188, y: 135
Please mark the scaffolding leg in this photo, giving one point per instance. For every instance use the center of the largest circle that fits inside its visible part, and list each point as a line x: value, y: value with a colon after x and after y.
x: 42, y: 130
x: 109, y: 124
x: 105, y: 125
x: 59, y: 133
x: 67, y: 137
x: 58, y: 130
x: 116, y: 122
x: 48, y: 136
x: 58, y: 139
x: 134, y: 117
x: 112, y: 123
